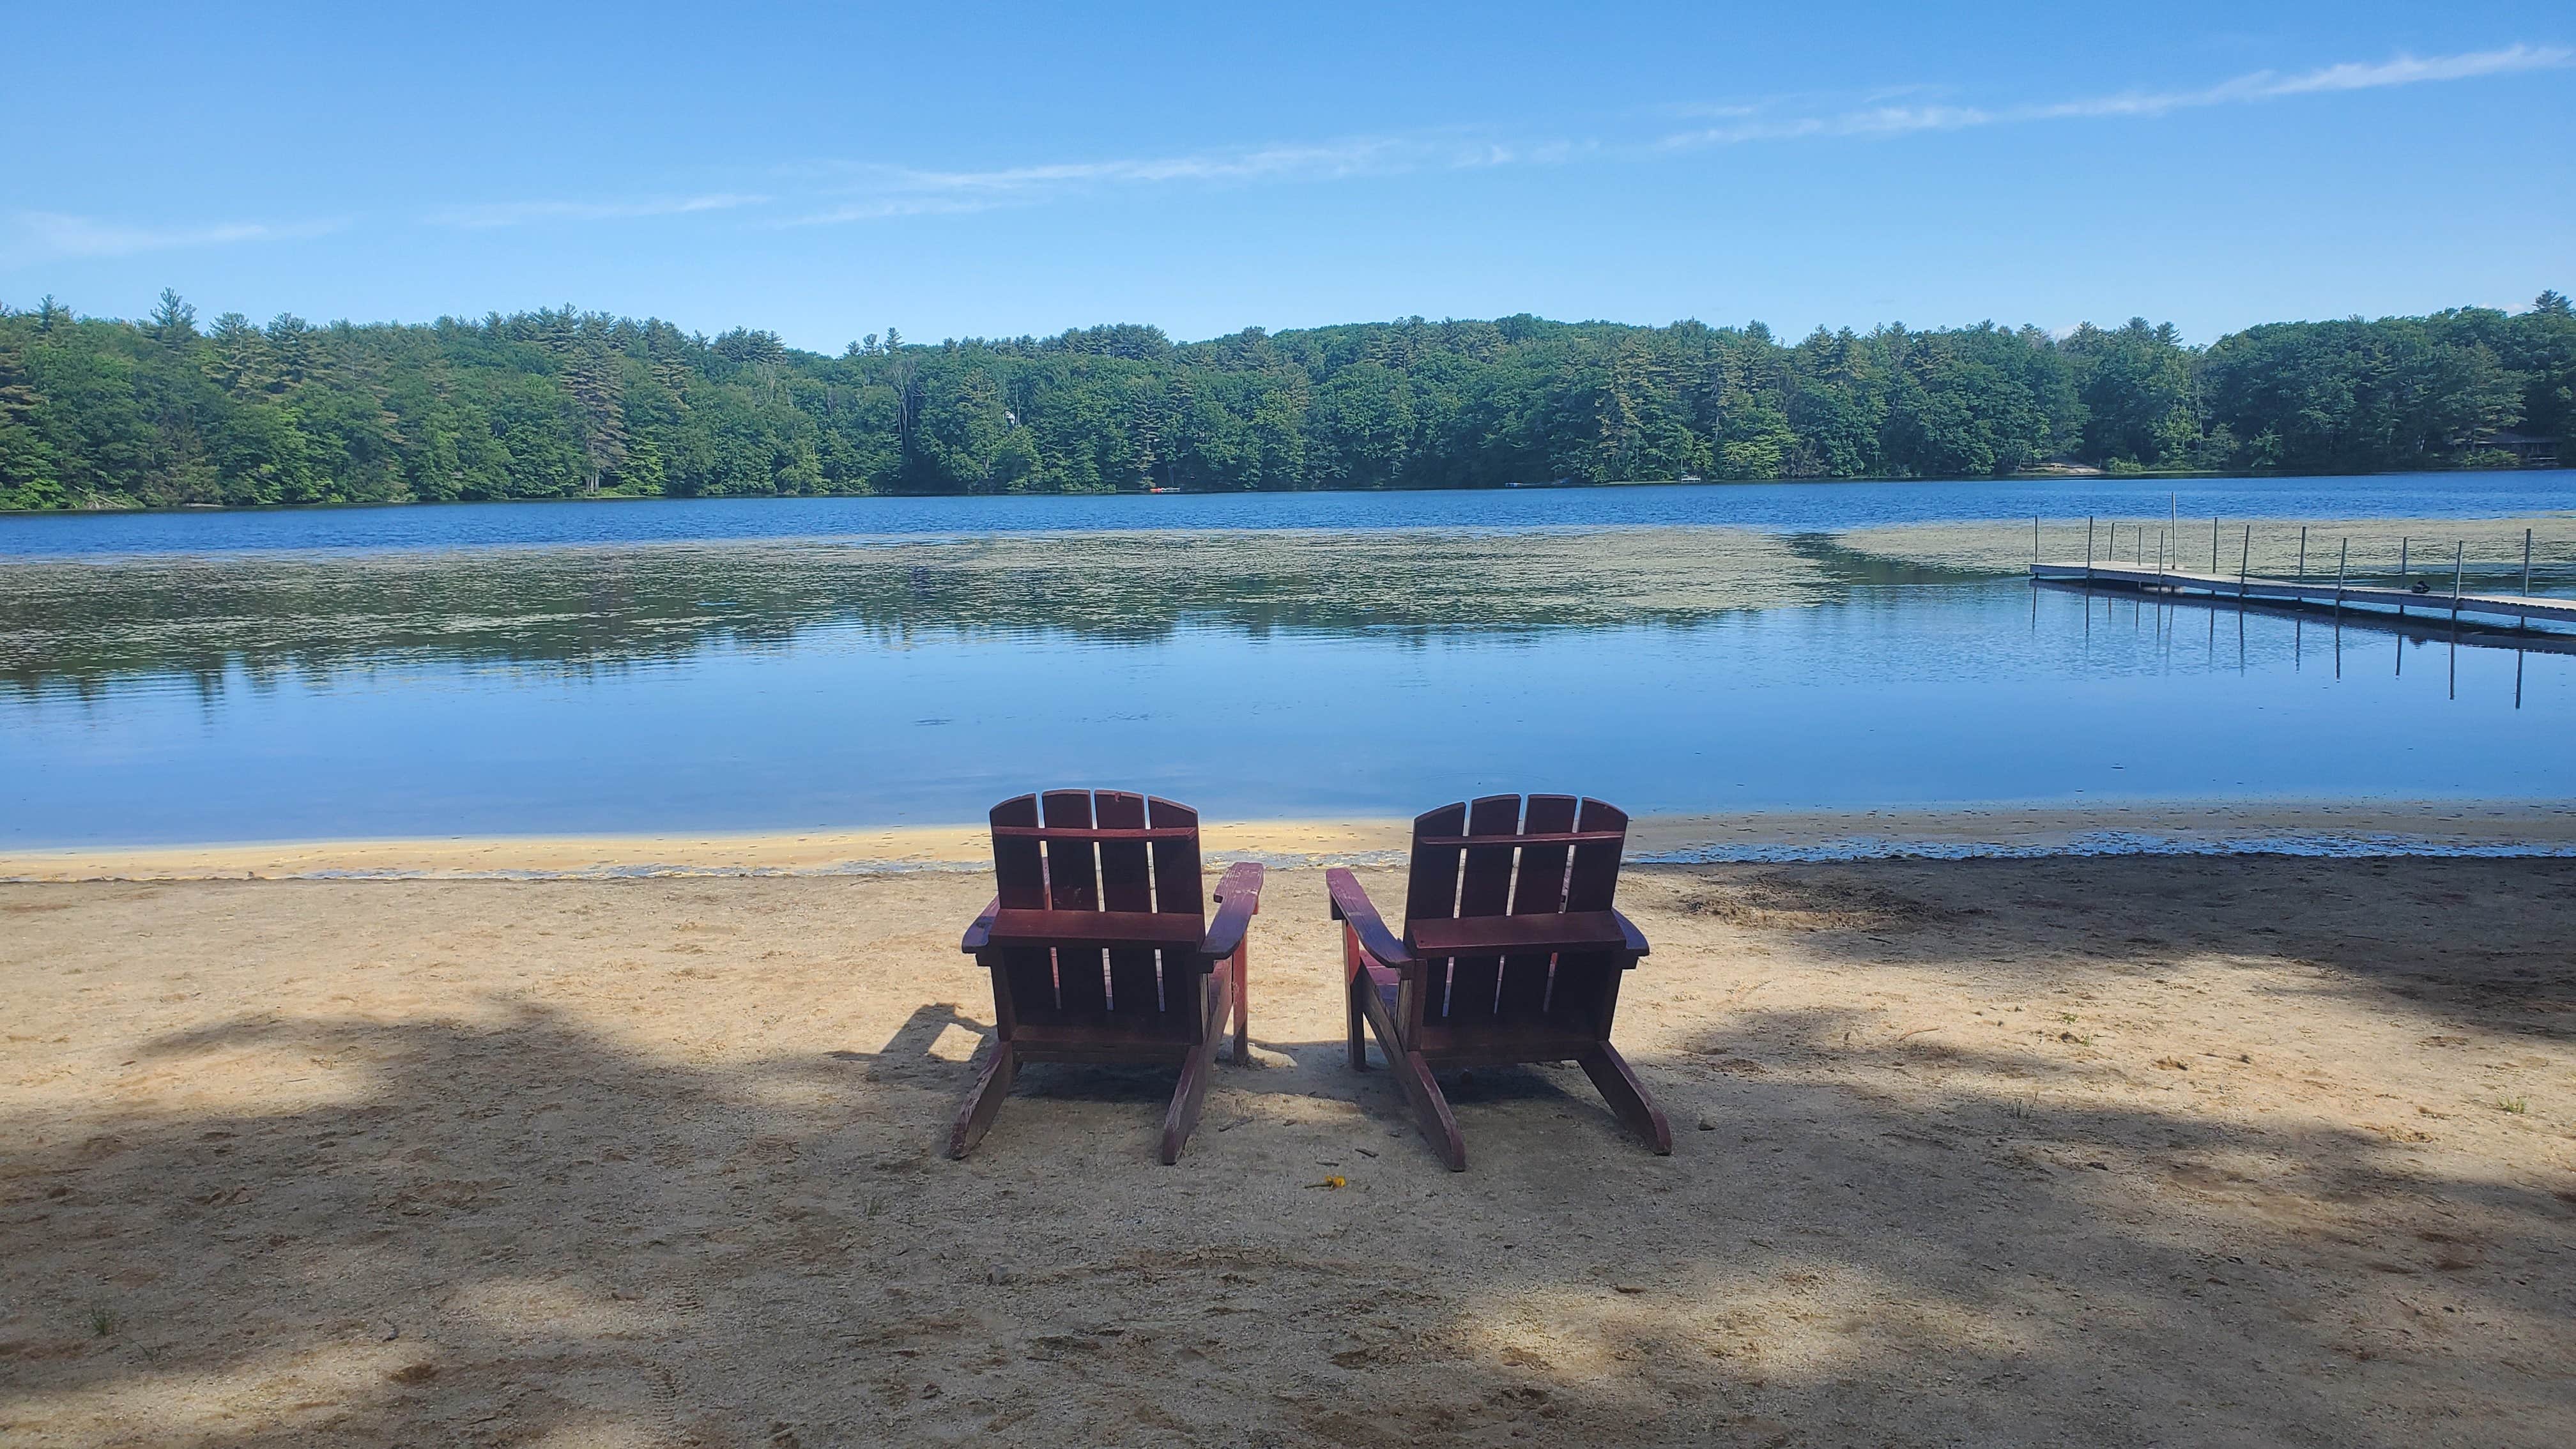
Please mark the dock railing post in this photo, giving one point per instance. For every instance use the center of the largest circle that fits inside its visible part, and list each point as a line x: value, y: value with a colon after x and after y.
x: 2459, y: 553
x: 2088, y: 546
x: 2213, y: 545
x: 2245, y: 561
x: 2525, y: 621
x: 2034, y: 538
x: 2303, y: 556
x: 2342, y: 556
x: 2402, y: 578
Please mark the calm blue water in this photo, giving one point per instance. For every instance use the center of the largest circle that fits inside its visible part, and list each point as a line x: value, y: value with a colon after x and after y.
x: 1887, y: 695
x: 1785, y: 507
x: 494, y: 669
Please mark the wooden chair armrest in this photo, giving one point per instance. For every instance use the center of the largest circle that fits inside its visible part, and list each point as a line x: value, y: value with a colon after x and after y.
x: 1350, y: 903
x: 1238, y: 894
x: 1636, y: 938
x: 980, y: 934
x: 1241, y: 878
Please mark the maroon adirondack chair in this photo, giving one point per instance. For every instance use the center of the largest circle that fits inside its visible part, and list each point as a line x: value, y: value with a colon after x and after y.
x: 1101, y: 950
x: 1511, y: 952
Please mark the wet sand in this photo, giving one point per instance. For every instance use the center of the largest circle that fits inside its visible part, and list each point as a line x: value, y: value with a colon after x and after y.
x: 2121, y: 1151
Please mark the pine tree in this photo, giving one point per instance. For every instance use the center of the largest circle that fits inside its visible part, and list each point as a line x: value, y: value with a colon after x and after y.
x: 28, y: 476
x: 239, y: 359
x: 596, y: 387
x: 173, y: 322
x: 290, y: 347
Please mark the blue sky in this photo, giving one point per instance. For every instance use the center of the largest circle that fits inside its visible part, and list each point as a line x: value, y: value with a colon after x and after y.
x: 830, y: 170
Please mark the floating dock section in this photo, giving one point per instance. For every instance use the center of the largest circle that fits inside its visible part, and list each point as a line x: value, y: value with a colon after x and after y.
x: 2329, y: 595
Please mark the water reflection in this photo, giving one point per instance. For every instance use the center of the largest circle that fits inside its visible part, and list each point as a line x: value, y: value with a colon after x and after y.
x: 649, y: 694
x: 2417, y: 628
x: 79, y: 628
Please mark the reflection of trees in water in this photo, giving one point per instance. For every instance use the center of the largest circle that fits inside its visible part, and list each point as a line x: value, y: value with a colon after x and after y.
x: 77, y: 627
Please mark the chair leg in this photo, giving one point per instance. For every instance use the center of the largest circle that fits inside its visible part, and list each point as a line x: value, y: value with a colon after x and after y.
x: 1611, y: 1073
x: 1184, y: 1113
x: 984, y: 1102
x: 1242, y: 1004
x: 1431, y: 1109
x: 1355, y: 979
x: 1192, y: 1091
x: 1358, y: 1029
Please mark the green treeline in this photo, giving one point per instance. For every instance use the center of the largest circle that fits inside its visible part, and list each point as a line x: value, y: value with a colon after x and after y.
x: 104, y: 413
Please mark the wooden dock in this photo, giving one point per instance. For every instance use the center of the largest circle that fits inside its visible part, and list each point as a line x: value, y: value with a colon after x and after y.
x: 2438, y: 604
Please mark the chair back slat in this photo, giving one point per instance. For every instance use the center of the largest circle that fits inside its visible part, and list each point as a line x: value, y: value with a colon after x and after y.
x: 1019, y: 869
x: 1522, y: 996
x: 1073, y: 884
x: 1019, y: 877
x: 1484, y: 889
x: 1072, y: 851
x: 1073, y: 875
x: 1431, y: 888
x: 1127, y: 884
x: 1177, y: 887
x: 1178, y: 890
x: 1126, y: 875
x: 1593, y: 878
x: 1586, y: 987
x: 1540, y: 888
x: 1551, y: 855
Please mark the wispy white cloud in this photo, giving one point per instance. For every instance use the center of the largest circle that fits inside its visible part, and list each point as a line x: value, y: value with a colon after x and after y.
x: 1704, y: 111
x: 1302, y: 162
x: 886, y: 207
x: 870, y: 192
x: 45, y: 236
x: 521, y: 213
x: 2264, y: 85
x: 879, y: 191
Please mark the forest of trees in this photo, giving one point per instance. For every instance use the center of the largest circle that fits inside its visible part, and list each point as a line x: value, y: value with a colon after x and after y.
x: 104, y: 413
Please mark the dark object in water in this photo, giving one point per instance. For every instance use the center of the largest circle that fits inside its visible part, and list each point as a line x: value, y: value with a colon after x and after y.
x: 2419, y: 587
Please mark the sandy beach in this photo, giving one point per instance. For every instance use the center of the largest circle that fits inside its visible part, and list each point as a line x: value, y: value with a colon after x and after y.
x: 2129, y: 1151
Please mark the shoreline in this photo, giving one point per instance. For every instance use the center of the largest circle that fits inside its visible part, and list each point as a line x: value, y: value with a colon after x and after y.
x: 2078, y: 473
x: 2010, y: 829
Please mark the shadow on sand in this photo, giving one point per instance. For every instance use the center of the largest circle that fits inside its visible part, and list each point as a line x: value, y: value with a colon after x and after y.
x: 506, y: 1226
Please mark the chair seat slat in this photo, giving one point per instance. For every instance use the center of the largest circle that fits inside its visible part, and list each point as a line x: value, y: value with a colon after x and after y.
x: 1096, y: 928
x: 1557, y: 931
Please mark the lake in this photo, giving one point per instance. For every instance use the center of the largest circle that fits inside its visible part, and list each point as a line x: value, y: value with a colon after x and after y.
x: 819, y: 664
x: 1787, y: 507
